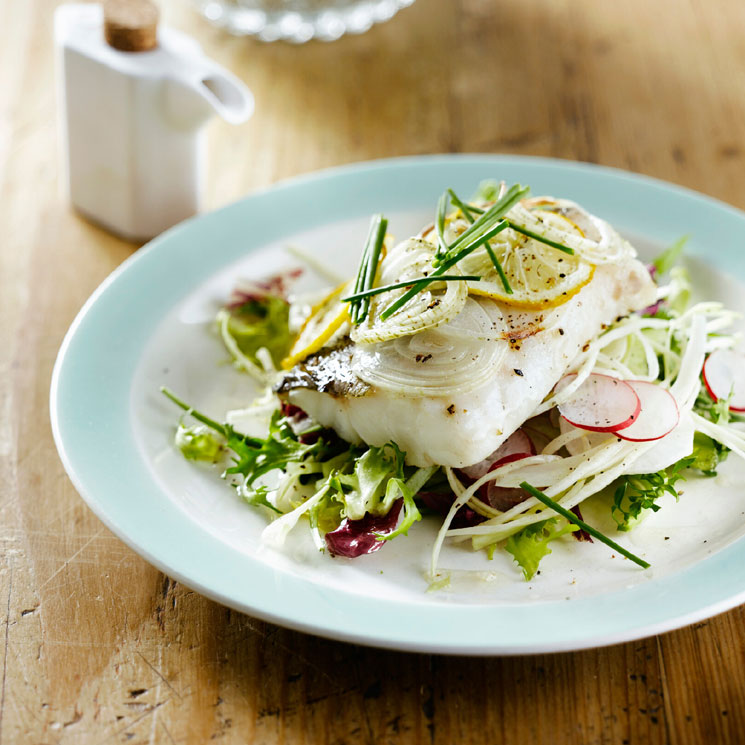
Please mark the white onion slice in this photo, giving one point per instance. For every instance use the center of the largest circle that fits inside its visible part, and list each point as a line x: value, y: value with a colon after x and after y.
x: 658, y: 415
x: 724, y: 374
x: 600, y: 404
x: 609, y: 249
x: 410, y: 258
x: 434, y: 306
x: 453, y: 358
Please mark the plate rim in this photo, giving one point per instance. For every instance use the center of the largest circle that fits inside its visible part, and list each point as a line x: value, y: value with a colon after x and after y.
x: 329, y: 630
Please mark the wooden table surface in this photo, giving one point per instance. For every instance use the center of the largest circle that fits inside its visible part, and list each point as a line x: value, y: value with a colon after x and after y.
x: 99, y: 647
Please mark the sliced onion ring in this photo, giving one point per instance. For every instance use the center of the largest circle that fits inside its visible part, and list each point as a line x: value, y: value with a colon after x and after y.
x: 453, y: 358
x: 434, y: 306
x: 611, y: 248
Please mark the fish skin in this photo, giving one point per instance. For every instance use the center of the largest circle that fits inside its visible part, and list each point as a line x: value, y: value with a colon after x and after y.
x: 328, y: 371
x: 462, y: 429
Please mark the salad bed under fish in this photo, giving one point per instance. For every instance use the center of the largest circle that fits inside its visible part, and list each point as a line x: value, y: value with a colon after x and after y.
x: 494, y: 371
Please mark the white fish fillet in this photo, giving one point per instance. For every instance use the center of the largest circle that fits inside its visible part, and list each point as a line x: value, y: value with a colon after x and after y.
x: 462, y: 429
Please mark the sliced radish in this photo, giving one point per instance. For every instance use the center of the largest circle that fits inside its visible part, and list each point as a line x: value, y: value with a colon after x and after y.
x: 517, y: 442
x: 503, y: 498
x: 724, y: 374
x: 600, y: 404
x: 658, y: 416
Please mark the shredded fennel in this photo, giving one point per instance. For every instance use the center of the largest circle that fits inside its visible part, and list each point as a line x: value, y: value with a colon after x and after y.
x: 572, y: 479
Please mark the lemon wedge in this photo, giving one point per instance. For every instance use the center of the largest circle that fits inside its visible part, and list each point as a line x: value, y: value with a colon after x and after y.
x: 325, y: 319
x: 540, y: 276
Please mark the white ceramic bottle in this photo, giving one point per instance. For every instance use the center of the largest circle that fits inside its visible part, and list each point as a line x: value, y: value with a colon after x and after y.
x: 133, y: 121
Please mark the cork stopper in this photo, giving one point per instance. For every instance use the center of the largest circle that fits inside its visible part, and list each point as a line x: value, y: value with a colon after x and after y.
x: 130, y: 25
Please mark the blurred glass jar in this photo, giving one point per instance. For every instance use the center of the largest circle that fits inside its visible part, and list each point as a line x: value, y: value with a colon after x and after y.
x: 298, y: 21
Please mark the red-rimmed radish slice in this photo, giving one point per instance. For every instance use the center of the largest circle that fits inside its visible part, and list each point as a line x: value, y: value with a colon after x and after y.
x: 517, y: 442
x: 658, y: 416
x: 600, y: 404
x: 724, y: 374
x: 503, y: 498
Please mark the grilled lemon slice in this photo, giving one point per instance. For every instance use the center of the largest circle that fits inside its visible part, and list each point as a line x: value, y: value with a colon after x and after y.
x: 539, y: 275
x: 325, y: 319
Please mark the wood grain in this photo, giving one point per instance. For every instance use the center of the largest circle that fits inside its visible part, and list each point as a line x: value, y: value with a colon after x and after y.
x: 96, y: 646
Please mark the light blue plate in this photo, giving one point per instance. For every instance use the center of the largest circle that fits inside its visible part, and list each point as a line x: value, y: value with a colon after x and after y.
x: 99, y: 440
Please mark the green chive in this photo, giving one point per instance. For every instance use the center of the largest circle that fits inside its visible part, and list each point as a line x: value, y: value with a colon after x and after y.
x: 479, y: 232
x: 422, y: 281
x: 538, y: 237
x: 368, y: 266
x: 442, y: 208
x: 465, y: 209
x: 486, y: 221
x: 211, y: 423
x: 476, y: 242
x: 541, y: 497
x: 359, y: 280
x: 498, y: 267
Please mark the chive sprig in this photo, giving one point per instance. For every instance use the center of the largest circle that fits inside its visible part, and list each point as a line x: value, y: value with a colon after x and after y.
x: 469, y: 209
x: 484, y: 224
x: 419, y: 284
x: 360, y: 306
x: 556, y: 507
x: 410, y: 282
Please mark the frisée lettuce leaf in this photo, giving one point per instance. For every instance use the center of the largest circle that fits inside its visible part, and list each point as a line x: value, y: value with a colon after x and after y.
x: 635, y: 494
x: 332, y: 482
x: 261, y: 323
x: 198, y: 443
x: 531, y: 544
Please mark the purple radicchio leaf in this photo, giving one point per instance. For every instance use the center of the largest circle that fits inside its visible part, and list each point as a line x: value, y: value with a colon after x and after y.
x: 441, y: 502
x: 300, y: 423
x: 581, y: 534
x: 257, y: 290
x: 650, y: 310
x: 354, y: 538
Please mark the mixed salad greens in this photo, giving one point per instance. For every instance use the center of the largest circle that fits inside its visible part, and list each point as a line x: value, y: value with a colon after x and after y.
x: 356, y: 498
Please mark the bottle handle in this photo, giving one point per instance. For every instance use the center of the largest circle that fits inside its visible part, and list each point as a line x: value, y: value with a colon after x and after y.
x: 225, y: 93
x: 208, y: 83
